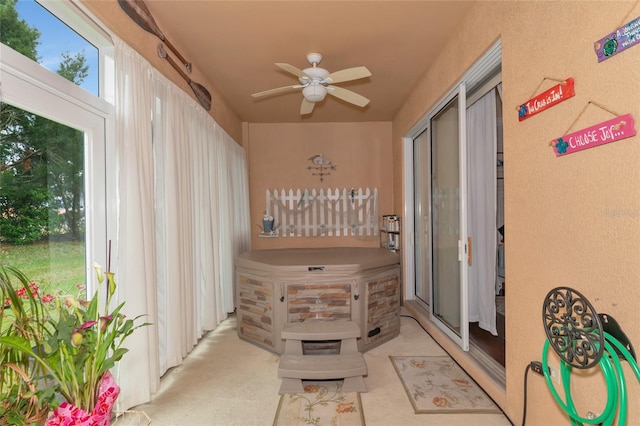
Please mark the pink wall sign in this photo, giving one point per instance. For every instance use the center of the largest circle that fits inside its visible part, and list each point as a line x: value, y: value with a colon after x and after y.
x: 608, y: 131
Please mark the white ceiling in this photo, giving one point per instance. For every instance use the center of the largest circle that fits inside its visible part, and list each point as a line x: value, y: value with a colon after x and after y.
x: 235, y: 44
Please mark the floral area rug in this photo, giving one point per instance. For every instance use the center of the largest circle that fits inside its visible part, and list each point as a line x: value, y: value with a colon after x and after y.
x: 322, y: 403
x: 436, y: 384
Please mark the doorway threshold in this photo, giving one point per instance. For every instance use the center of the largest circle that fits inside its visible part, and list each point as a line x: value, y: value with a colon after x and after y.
x: 484, y: 370
x: 489, y: 365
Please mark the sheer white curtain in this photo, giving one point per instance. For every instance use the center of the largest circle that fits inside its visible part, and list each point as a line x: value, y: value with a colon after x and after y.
x: 482, y: 148
x: 233, y: 226
x: 240, y: 219
x: 175, y: 204
x: 179, y: 237
x: 135, y: 266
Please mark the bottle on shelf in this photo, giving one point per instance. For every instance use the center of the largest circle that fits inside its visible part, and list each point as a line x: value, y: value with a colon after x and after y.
x: 267, y: 223
x: 390, y: 232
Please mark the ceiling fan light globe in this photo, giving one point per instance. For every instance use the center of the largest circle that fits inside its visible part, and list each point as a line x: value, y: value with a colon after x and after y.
x: 314, y: 92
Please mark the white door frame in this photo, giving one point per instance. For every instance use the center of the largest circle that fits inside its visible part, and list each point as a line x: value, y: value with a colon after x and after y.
x: 29, y: 86
x: 487, y: 65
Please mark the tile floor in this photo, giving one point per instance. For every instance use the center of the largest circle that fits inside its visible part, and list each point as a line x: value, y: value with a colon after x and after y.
x: 226, y: 382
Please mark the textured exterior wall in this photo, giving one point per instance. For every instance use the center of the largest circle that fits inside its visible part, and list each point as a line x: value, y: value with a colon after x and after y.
x: 573, y: 220
x: 275, y: 287
x: 383, y: 305
x: 255, y: 310
x: 318, y: 301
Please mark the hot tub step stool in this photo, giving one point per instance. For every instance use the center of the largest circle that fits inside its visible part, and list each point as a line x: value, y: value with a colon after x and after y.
x: 349, y: 364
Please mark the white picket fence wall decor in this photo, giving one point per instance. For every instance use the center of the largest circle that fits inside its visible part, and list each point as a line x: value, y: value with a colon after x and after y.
x: 319, y: 212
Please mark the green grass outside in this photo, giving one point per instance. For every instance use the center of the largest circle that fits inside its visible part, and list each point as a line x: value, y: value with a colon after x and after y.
x: 52, y: 265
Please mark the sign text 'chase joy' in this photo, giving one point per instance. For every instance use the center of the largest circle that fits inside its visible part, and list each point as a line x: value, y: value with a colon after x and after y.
x: 606, y: 132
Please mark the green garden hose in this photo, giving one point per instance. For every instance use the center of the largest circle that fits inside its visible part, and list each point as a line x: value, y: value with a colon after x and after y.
x: 575, y: 333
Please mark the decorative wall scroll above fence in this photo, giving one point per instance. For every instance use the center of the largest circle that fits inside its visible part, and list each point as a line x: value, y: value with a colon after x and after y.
x: 319, y: 212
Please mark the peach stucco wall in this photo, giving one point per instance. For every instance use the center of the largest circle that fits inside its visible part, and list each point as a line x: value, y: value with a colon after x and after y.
x: 574, y: 220
x: 278, y: 157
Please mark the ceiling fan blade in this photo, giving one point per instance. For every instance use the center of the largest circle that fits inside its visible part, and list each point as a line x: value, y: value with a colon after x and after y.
x: 275, y: 91
x: 347, y: 95
x: 306, y: 107
x: 293, y: 70
x: 348, y: 75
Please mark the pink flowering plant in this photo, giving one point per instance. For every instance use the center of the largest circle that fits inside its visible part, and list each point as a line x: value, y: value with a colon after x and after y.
x: 81, y: 341
x: 23, y: 315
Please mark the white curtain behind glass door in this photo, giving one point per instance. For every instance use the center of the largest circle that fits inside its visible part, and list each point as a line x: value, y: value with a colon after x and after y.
x: 482, y: 147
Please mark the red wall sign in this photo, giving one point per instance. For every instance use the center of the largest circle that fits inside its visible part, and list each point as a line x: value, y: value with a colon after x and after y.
x: 608, y: 131
x: 547, y: 99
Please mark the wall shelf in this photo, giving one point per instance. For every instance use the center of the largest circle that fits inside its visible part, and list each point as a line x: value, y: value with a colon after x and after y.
x: 268, y: 235
x: 390, y: 233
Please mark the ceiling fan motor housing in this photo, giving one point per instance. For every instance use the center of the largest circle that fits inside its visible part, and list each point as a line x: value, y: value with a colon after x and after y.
x: 315, y: 90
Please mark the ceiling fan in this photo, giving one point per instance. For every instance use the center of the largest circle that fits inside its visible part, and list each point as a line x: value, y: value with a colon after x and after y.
x: 316, y: 82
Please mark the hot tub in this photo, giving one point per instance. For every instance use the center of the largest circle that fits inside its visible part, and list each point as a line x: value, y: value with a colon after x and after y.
x: 274, y: 287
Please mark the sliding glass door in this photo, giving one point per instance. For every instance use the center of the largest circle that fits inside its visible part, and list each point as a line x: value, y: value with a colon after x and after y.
x: 448, y: 221
x: 422, y: 216
x: 437, y: 182
x: 440, y: 211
